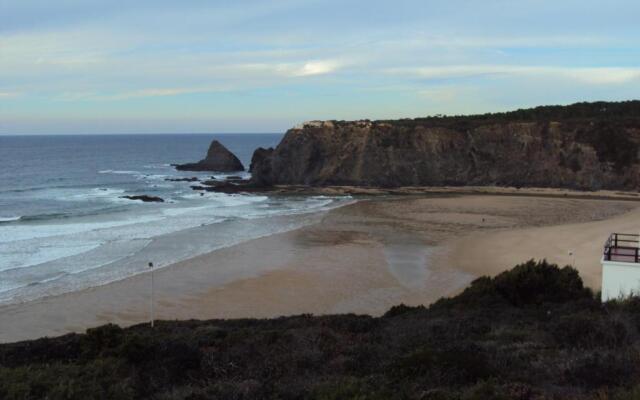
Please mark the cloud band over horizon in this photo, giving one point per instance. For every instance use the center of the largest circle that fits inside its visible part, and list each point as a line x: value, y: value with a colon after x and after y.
x: 263, y: 66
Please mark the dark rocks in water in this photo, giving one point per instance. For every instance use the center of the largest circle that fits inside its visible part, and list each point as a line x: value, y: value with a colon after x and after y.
x: 227, y: 186
x: 145, y: 198
x: 218, y: 158
x: 234, y: 178
x: 192, y: 179
x: 221, y: 187
x: 585, y: 146
x: 216, y: 183
x: 226, y: 182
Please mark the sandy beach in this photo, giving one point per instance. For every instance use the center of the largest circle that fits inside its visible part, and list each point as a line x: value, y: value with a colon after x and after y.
x: 360, y: 258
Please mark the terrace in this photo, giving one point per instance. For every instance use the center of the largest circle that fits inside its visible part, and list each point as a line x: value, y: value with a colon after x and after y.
x: 622, y: 247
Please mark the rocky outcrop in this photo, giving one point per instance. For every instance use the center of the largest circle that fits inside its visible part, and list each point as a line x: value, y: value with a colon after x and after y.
x: 192, y: 179
x: 260, y: 168
x: 218, y: 159
x: 144, y: 198
x: 584, y: 146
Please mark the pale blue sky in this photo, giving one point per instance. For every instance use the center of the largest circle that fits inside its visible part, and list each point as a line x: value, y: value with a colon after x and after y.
x: 149, y: 66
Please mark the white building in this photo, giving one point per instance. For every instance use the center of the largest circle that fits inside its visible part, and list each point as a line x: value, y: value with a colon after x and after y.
x: 621, y: 266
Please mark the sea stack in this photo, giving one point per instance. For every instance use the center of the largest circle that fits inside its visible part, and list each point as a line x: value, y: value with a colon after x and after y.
x: 218, y: 159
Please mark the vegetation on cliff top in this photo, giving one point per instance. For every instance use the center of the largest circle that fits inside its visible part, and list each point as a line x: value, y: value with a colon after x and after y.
x: 578, y: 111
x: 530, y: 333
x: 606, y: 132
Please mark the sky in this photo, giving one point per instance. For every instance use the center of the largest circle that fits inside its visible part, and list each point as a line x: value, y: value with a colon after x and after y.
x: 195, y: 66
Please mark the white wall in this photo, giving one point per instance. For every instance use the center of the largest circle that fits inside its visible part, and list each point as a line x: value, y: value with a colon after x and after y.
x: 619, y: 279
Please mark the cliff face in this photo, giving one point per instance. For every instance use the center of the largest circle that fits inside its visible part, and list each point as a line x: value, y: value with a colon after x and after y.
x: 582, y: 153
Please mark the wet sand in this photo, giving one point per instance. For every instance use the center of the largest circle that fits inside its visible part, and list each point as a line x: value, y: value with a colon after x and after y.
x: 362, y: 258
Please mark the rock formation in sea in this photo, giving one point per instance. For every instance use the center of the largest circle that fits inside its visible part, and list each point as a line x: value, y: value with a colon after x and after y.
x: 144, y: 198
x: 192, y: 179
x: 218, y: 159
x: 583, y: 146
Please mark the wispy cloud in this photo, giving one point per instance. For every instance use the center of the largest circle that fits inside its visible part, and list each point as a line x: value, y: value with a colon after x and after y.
x: 283, y: 69
x: 156, y: 92
x: 591, y: 75
x: 317, y: 68
x: 150, y: 92
x: 9, y: 94
x: 430, y: 40
x: 230, y: 77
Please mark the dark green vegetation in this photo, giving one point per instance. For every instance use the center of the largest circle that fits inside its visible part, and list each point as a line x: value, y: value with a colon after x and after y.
x: 602, y: 110
x: 605, y: 131
x: 530, y: 333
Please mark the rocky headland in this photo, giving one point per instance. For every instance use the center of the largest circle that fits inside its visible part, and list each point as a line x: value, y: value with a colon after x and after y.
x: 584, y: 146
x: 218, y: 159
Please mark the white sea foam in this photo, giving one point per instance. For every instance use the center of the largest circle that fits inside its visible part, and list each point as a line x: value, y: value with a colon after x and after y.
x: 223, y: 176
x: 29, y: 244
x: 157, y: 166
x: 17, y: 255
x: 226, y: 200
x: 80, y: 195
x: 14, y: 233
x: 174, y: 212
x: 9, y: 219
x: 99, y: 193
x: 69, y: 264
x: 52, y: 257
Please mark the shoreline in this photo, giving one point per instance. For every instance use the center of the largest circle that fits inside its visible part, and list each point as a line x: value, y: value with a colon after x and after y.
x: 363, y: 257
x: 163, y: 249
x: 445, y: 191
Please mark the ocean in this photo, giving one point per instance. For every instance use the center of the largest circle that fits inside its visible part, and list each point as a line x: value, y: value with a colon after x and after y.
x: 64, y: 225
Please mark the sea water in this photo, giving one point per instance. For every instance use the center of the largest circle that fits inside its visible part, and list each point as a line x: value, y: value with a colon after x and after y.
x: 64, y: 225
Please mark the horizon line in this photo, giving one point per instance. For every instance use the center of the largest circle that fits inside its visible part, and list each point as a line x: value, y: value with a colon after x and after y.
x: 141, y: 133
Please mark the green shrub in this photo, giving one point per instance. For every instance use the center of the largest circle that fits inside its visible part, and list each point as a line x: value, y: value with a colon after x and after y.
x: 137, y: 349
x: 541, y: 282
x: 588, y: 330
x: 603, y: 369
x: 401, y: 309
x: 99, y: 379
x: 352, y: 389
x: 454, y: 365
x: 486, y: 390
x: 481, y: 293
x: 530, y: 283
x: 101, y: 340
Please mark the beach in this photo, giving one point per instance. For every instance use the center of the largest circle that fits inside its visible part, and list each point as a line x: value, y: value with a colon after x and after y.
x: 364, y: 258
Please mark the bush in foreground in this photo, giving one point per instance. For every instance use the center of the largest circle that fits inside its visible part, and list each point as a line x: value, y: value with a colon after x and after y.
x: 534, y: 332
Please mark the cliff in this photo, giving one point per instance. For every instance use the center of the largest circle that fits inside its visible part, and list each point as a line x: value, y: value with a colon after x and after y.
x: 582, y: 146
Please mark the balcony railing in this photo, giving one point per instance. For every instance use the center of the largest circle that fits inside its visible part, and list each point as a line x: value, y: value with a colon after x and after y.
x: 622, y: 247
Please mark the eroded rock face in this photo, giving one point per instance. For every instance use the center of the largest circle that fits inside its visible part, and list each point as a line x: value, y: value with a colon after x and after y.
x: 260, y: 167
x: 218, y: 159
x: 581, y: 153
